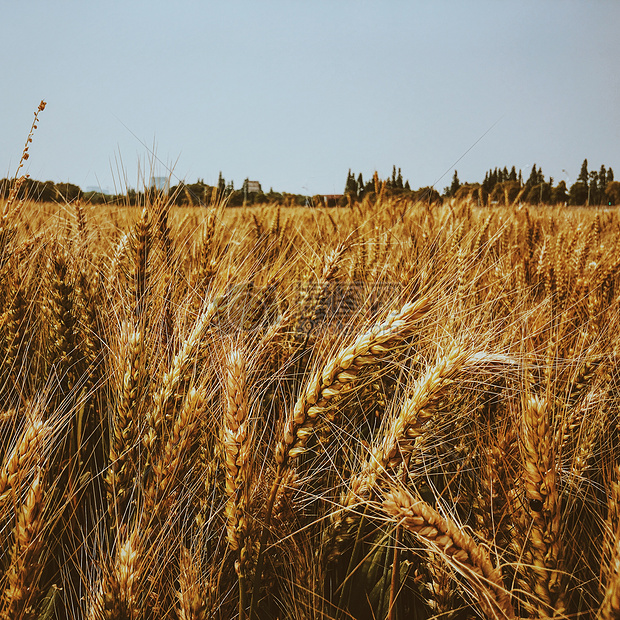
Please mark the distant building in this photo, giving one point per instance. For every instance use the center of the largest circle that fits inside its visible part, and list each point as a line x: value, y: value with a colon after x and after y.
x: 161, y: 184
x: 254, y: 187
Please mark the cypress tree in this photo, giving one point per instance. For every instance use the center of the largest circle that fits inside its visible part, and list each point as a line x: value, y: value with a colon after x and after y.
x: 583, y: 174
x: 454, y: 186
x: 533, y: 178
x: 594, y: 188
x: 513, y: 174
x: 350, y: 187
x: 485, y: 183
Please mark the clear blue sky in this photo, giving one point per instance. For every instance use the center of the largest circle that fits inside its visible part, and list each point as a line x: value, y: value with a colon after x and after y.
x: 293, y: 93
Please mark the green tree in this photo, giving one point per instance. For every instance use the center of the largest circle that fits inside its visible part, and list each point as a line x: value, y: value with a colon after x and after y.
x: 472, y: 191
x: 513, y: 174
x: 612, y: 192
x: 360, y: 186
x: 539, y: 194
x: 495, y: 177
x: 41, y: 192
x: 578, y: 193
x: 559, y: 194
x: 593, y: 189
x: 583, y: 174
x: 235, y: 198
x: 533, y: 178
x: 505, y: 193
x: 350, y: 188
x: 486, y: 183
x: 428, y: 195
x: 454, y: 186
x: 68, y: 191
x: 399, y: 180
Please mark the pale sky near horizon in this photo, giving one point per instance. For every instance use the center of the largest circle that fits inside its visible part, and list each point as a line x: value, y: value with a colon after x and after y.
x: 293, y: 94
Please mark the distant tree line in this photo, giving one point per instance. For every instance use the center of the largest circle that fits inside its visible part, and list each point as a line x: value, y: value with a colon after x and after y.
x: 503, y: 186
x: 43, y: 191
x: 500, y: 186
x: 187, y: 194
x: 200, y: 194
x: 356, y: 189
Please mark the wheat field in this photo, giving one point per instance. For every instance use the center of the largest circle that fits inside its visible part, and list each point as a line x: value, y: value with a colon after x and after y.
x: 382, y: 411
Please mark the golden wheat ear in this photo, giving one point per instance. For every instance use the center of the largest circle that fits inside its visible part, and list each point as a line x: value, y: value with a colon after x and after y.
x: 341, y: 371
x: 117, y: 595
x: 167, y: 393
x: 236, y: 442
x: 22, y: 595
x: 542, y: 552
x: 23, y: 459
x: 191, y: 605
x: 450, y: 542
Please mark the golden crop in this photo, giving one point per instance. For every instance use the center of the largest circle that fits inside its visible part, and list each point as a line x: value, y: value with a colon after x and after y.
x: 387, y: 410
